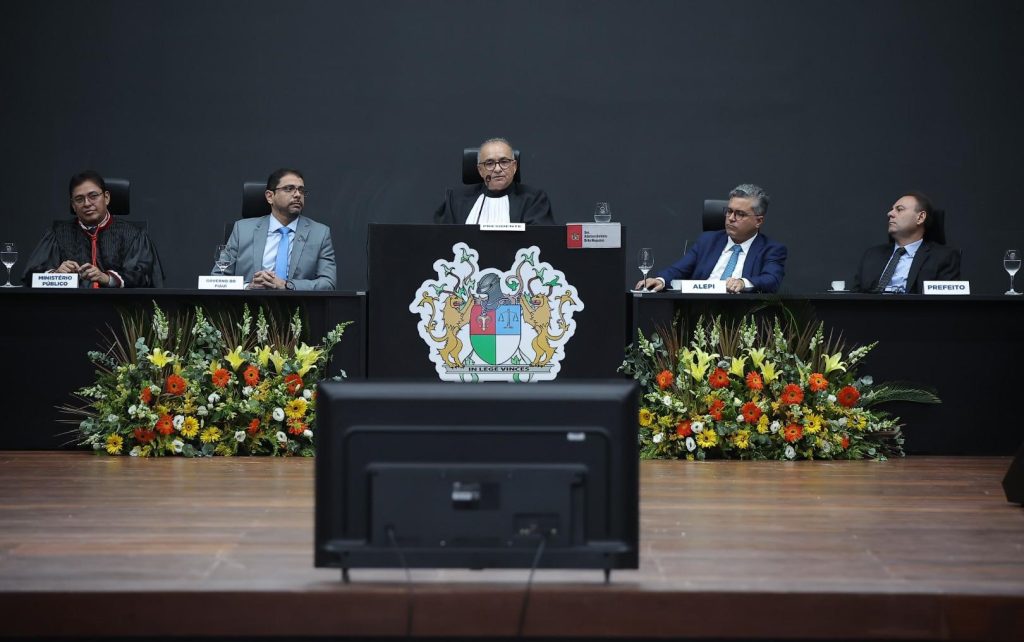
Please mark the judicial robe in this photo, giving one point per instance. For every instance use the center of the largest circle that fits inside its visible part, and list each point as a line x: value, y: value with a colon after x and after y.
x: 122, y: 248
x: 525, y: 204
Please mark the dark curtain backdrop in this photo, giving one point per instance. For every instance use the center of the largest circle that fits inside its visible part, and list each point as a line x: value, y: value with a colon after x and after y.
x: 834, y: 107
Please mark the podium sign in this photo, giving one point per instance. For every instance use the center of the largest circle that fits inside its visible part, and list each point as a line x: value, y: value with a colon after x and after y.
x: 456, y: 303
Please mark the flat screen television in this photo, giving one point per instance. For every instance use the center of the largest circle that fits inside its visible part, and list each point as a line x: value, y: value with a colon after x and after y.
x: 443, y: 475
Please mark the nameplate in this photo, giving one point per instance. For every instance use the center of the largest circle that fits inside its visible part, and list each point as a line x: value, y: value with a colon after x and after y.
x: 54, y: 280
x: 218, y: 282
x: 589, y: 235
x: 947, y: 288
x: 503, y: 227
x: 699, y: 287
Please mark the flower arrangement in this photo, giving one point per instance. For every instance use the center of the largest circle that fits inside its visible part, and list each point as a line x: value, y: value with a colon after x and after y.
x: 769, y: 390
x: 188, y: 385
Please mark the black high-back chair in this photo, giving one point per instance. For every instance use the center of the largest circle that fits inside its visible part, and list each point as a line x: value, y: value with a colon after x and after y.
x: 714, y: 215
x: 936, y: 232
x: 254, y: 203
x: 470, y: 176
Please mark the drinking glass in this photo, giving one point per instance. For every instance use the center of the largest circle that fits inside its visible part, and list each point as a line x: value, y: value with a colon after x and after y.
x: 645, y: 261
x: 1011, y: 263
x: 222, y: 259
x: 8, y: 256
x: 602, y: 213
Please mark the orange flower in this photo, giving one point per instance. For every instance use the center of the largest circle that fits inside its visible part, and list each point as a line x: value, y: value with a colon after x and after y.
x: 175, y: 385
x: 296, y: 427
x: 848, y: 396
x: 165, y: 425
x: 664, y: 379
x: 754, y: 381
x: 793, y: 432
x: 294, y: 383
x: 254, y: 426
x: 718, y: 378
x: 144, y: 436
x: 751, y: 413
x: 817, y: 382
x: 251, y: 375
x: 846, y: 442
x: 221, y: 378
x: 146, y: 396
x: 683, y: 428
x: 792, y: 394
x: 715, y: 409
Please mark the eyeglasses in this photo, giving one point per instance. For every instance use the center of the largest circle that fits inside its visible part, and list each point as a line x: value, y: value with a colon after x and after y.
x: 92, y: 197
x: 740, y: 214
x: 490, y: 163
x: 291, y: 189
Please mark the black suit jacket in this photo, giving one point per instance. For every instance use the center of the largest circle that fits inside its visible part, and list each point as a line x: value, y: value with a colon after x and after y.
x: 525, y: 204
x: 932, y: 262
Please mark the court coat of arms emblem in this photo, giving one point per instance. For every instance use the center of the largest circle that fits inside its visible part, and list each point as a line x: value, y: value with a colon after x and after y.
x: 489, y: 325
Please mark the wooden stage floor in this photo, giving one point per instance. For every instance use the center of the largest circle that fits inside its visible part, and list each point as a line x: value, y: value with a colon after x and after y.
x: 914, y: 549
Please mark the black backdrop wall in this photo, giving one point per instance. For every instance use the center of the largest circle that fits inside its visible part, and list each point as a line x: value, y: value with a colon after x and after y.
x: 834, y: 107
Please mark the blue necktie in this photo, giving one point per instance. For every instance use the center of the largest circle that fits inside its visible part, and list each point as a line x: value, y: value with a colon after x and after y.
x: 281, y: 266
x: 731, y: 265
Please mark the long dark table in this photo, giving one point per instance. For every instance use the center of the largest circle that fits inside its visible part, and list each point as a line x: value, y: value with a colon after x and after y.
x: 45, y: 335
x: 969, y: 348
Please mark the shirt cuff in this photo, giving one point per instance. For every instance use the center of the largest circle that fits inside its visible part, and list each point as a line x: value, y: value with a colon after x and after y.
x: 114, y: 276
x: 747, y: 285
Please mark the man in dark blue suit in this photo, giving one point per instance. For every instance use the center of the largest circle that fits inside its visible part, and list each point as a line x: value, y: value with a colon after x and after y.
x: 745, y: 259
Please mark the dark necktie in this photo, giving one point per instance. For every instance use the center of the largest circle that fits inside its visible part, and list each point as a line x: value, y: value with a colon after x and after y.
x: 887, y: 273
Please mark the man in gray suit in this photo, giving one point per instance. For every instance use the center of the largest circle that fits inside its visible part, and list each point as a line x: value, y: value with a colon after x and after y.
x: 283, y: 250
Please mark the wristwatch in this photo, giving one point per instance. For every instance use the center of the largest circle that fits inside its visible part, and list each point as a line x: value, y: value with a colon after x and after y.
x: 288, y: 285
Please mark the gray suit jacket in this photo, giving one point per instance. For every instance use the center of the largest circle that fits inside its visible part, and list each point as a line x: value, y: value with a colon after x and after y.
x: 311, y: 261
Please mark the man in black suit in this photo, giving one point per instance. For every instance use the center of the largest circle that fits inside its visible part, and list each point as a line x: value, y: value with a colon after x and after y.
x: 912, y: 258
x: 498, y: 199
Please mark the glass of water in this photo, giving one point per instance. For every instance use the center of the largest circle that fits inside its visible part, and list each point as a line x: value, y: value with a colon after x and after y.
x: 222, y: 258
x: 8, y: 256
x: 602, y: 213
x: 1011, y: 263
x: 645, y: 261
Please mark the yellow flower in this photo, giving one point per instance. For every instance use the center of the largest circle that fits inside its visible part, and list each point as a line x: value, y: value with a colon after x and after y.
x: 235, y: 358
x: 210, y: 435
x: 114, y: 444
x: 159, y: 358
x: 146, y: 451
x: 190, y: 427
x: 736, y: 367
x: 741, y: 439
x: 296, y: 408
x: 263, y: 356
x: 834, y: 363
x: 278, y: 360
x: 762, y: 424
x: 707, y: 438
x: 860, y: 422
x: 813, y: 424
x: 307, y: 357
x: 690, y: 457
x: 666, y: 421
x: 646, y: 417
x: 214, y: 366
x: 768, y: 372
x: 757, y: 356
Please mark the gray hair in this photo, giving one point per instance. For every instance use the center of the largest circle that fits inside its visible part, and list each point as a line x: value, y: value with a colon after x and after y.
x: 749, y: 190
x: 497, y: 139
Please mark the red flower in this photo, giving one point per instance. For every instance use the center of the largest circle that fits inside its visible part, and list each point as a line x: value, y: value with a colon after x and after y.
x: 848, y: 396
x: 294, y: 383
x: 683, y: 428
x: 146, y: 396
x: 754, y: 381
x: 296, y: 427
x: 664, y: 379
x: 751, y: 413
x: 251, y: 375
x: 793, y: 432
x: 792, y: 394
x: 718, y: 378
x: 144, y: 436
x: 164, y: 425
x: 846, y: 442
x: 221, y: 378
x: 254, y: 426
x: 715, y: 409
x: 817, y: 382
x: 175, y: 385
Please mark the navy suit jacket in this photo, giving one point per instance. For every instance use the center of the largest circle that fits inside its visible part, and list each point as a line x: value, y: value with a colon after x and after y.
x: 764, y: 266
x: 932, y: 262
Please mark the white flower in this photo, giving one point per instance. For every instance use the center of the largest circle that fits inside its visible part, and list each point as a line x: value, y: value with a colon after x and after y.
x: 213, y: 398
x: 246, y: 391
x: 308, y: 434
x: 178, y: 421
x: 841, y: 421
x: 658, y: 438
x: 737, y: 402
x: 697, y: 427
x: 790, y: 452
x: 177, y: 444
x: 691, y: 445
x: 201, y: 411
x: 131, y: 410
x: 667, y: 400
x: 307, y: 393
x: 112, y: 418
x: 239, y: 435
x: 135, y: 451
x: 774, y: 427
x: 831, y: 398
x: 826, y: 446
x: 281, y: 437
x: 97, y: 446
x: 278, y: 415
